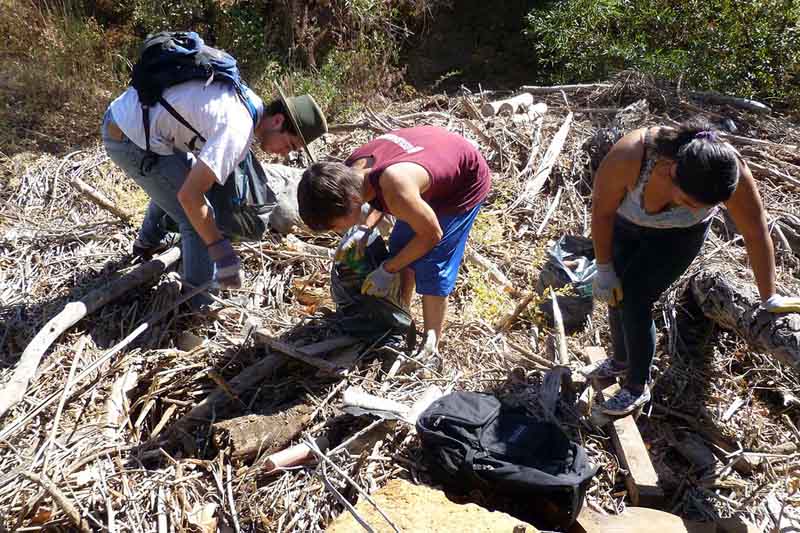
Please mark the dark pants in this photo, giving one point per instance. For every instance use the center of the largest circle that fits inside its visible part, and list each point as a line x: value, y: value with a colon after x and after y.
x: 647, y: 261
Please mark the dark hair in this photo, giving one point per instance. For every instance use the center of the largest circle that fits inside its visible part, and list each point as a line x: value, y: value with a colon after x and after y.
x: 708, y: 168
x: 277, y: 107
x: 327, y: 191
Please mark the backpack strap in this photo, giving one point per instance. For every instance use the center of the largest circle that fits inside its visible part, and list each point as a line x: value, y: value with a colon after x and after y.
x: 178, y: 117
x: 149, y: 159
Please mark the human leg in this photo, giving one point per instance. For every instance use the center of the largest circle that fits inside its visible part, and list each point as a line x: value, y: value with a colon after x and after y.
x: 663, y: 258
x: 435, y: 273
x: 161, y: 182
x: 664, y: 255
x: 434, y: 311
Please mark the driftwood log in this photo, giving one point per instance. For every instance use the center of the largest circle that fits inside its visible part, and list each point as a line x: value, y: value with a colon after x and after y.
x: 73, y: 312
x: 735, y: 101
x: 736, y: 310
x: 249, y: 435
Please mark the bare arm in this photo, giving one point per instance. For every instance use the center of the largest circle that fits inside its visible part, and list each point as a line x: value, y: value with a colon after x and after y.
x: 402, y: 185
x: 748, y: 214
x: 618, y: 171
x: 192, y: 198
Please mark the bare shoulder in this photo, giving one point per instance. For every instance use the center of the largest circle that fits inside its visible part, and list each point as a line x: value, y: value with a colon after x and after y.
x: 623, y: 162
x: 404, y: 176
x: 631, y: 146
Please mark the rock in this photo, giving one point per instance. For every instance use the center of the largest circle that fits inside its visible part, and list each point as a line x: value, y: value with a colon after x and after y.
x: 421, y: 508
x: 636, y: 519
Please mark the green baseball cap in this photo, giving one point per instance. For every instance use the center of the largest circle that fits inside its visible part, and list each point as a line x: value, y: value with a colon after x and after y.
x: 306, y: 116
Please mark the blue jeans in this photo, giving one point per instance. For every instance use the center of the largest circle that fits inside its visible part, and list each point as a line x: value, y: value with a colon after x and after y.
x: 647, y: 261
x: 161, y: 182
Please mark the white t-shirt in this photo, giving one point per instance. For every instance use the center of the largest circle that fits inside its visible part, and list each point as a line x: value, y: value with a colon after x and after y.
x: 216, y: 111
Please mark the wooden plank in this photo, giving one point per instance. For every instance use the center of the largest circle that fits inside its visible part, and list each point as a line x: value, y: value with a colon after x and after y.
x: 638, y: 519
x: 642, y: 479
x: 287, y: 349
x: 328, y: 345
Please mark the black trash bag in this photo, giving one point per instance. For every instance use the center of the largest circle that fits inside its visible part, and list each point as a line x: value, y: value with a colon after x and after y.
x: 571, y: 264
x: 361, y: 251
x: 472, y: 441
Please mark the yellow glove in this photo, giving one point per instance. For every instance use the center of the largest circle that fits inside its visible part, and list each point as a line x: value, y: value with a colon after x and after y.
x: 382, y: 284
x: 782, y: 304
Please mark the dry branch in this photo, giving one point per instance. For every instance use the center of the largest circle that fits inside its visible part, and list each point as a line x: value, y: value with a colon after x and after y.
x: 742, y: 103
x: 538, y: 179
x: 58, y: 497
x: 69, y: 316
x: 479, y: 260
x: 508, y: 106
x: 535, y: 89
x: 245, y: 380
x: 99, y: 199
x: 294, y: 353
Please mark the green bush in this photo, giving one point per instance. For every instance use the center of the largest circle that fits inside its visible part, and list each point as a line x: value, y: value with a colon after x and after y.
x: 744, y: 47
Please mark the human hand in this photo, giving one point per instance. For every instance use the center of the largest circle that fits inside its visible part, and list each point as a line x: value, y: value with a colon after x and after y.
x: 782, y: 304
x: 381, y: 283
x: 606, y: 285
x: 227, y: 266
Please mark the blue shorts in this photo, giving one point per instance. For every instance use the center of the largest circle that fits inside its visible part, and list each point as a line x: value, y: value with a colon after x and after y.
x: 436, y: 272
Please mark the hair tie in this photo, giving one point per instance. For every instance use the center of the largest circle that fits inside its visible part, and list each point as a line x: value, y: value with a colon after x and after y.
x: 706, y: 134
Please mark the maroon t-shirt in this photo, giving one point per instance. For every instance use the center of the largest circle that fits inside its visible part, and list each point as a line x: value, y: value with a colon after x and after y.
x: 459, y: 176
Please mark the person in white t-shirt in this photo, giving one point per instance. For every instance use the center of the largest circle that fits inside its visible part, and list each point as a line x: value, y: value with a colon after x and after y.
x: 182, y: 168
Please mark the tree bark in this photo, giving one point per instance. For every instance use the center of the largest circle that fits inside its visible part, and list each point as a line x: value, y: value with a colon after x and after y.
x: 736, y: 310
x: 249, y: 435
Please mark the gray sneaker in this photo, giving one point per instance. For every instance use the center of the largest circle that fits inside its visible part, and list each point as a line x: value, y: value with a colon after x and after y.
x: 624, y: 402
x: 605, y: 369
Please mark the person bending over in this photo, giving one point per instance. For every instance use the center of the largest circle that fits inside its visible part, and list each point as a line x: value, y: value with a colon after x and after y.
x: 183, y: 168
x: 433, y: 182
x: 654, y: 196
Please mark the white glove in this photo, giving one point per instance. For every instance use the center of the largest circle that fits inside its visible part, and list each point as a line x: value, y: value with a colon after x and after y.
x: 606, y: 285
x: 782, y: 304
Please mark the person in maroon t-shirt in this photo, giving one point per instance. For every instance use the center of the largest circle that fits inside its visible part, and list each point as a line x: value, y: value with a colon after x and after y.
x: 433, y: 181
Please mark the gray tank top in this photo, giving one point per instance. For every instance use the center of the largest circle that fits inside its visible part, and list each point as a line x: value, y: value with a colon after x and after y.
x: 632, y: 206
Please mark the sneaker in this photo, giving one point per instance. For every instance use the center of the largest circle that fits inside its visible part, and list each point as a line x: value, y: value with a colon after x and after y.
x: 605, y: 369
x: 146, y: 252
x: 624, y: 402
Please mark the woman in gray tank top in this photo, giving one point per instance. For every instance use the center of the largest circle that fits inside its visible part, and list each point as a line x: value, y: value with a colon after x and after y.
x: 654, y: 196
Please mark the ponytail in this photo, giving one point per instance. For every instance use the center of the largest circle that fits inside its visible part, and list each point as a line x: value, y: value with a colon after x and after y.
x: 708, y: 167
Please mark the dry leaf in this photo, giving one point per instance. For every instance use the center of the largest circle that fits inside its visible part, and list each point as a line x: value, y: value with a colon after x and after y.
x: 204, y: 517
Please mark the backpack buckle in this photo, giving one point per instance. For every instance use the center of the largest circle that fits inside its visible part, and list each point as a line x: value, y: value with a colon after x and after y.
x: 148, y: 161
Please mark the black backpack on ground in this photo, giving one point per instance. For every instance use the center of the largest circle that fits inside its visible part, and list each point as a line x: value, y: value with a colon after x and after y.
x: 471, y: 441
x: 172, y: 58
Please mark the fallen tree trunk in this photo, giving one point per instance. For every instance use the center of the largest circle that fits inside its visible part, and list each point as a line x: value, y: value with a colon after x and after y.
x: 249, y: 435
x: 69, y: 316
x: 735, y: 101
x: 734, y: 309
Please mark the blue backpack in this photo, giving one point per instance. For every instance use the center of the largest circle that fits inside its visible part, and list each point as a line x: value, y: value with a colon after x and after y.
x: 170, y: 58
